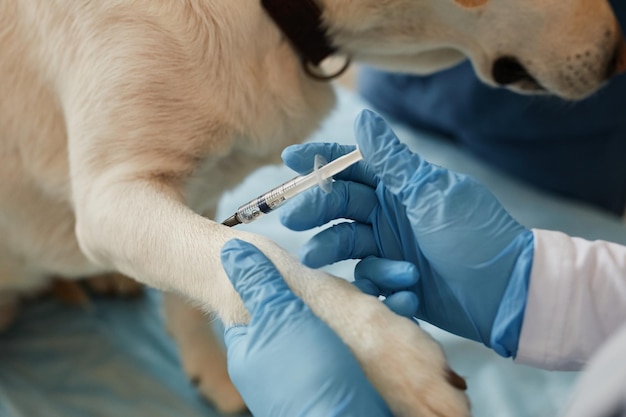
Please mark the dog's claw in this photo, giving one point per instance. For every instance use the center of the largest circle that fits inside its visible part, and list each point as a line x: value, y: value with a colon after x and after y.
x: 456, y: 380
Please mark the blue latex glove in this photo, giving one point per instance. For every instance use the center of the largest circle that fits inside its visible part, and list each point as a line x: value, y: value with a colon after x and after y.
x: 286, y: 362
x: 465, y: 262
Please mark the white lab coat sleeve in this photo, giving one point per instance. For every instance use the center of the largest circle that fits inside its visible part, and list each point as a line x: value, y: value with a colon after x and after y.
x: 601, y: 389
x: 576, y: 300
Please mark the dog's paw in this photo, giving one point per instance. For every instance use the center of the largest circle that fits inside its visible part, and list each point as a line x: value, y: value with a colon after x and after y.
x: 408, y: 368
x: 114, y: 285
x: 202, y: 355
x: 9, y: 309
x: 425, y: 388
x: 405, y: 364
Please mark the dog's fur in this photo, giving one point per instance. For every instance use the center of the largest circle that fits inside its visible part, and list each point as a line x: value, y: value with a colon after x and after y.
x: 122, y: 122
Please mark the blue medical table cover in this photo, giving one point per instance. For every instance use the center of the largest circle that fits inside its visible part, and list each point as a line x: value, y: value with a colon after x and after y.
x: 116, y: 360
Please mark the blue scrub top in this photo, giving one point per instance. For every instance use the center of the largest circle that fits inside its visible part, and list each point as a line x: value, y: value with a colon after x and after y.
x: 577, y: 150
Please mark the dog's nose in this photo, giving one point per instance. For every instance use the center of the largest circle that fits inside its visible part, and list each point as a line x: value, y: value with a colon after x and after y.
x: 507, y: 70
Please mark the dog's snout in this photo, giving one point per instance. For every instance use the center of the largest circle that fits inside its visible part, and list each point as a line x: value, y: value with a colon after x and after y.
x: 508, y: 70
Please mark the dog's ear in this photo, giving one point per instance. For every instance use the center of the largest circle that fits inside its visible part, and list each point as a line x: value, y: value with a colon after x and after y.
x: 470, y: 4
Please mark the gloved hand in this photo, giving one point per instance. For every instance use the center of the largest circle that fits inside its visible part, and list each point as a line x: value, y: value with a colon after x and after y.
x: 286, y: 362
x: 437, y: 243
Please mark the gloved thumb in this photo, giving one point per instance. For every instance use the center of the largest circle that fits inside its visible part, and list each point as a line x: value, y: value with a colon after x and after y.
x: 256, y: 279
x: 392, y: 161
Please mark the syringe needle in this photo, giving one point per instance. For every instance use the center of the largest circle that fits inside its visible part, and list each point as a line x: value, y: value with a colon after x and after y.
x: 232, y: 221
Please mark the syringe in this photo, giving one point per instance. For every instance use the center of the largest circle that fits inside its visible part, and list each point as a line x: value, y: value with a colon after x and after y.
x: 276, y: 197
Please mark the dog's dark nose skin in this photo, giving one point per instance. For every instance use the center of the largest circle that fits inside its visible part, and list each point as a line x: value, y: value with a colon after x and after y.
x: 507, y: 70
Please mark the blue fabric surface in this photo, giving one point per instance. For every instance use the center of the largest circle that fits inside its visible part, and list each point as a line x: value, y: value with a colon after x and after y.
x: 112, y: 360
x: 116, y: 360
x: 574, y: 149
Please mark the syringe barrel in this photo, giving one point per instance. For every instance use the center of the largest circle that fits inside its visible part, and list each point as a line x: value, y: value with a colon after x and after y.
x: 274, y: 198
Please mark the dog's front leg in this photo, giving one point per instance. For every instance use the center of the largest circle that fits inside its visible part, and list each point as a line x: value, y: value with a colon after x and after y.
x: 140, y: 228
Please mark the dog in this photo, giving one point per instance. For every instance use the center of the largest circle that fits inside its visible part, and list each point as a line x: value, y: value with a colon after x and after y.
x: 122, y: 123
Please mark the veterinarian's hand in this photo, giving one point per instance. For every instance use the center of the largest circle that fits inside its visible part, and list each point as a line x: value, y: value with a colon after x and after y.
x: 437, y: 244
x: 286, y: 361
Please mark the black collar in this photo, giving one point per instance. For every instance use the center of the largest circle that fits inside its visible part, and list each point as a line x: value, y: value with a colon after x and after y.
x: 301, y: 22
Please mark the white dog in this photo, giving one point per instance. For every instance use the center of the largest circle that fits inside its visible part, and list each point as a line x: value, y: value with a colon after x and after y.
x: 123, y: 121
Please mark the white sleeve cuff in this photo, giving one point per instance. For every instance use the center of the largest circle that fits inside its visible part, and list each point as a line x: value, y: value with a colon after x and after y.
x: 576, y: 300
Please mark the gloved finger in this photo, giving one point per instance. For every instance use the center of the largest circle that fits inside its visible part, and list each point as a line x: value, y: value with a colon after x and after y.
x: 388, y: 275
x: 392, y: 161
x: 348, y: 200
x: 256, y: 279
x: 337, y: 243
x: 301, y: 158
x: 367, y: 287
x: 403, y: 303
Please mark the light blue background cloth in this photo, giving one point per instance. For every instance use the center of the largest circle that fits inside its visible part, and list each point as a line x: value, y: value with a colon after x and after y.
x: 116, y: 360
